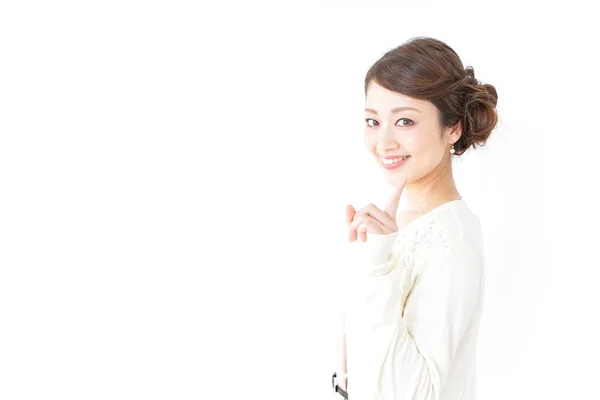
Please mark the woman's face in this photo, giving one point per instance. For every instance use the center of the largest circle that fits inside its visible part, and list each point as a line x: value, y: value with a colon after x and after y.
x: 392, y: 131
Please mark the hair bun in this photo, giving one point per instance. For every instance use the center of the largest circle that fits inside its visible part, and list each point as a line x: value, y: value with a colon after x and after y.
x: 480, y: 116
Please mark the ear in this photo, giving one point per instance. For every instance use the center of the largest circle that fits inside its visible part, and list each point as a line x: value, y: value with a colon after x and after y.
x: 454, y: 133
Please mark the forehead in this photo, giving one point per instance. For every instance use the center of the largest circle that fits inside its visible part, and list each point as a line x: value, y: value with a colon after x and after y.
x: 382, y: 100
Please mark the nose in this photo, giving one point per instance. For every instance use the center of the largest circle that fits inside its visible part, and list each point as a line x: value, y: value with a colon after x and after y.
x: 386, y: 140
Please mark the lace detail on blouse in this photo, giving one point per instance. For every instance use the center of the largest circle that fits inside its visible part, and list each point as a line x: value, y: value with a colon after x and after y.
x: 431, y: 236
x: 428, y: 237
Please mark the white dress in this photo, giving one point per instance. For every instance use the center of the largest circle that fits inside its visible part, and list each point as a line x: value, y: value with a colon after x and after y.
x: 413, y: 305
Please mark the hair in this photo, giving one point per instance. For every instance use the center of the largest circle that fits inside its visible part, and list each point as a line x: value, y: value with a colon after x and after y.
x: 428, y: 69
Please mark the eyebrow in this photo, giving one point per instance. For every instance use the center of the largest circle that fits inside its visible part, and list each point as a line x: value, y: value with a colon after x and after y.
x: 394, y: 110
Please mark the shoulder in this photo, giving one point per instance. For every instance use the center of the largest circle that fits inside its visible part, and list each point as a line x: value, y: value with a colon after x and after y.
x: 452, y: 237
x: 454, y: 223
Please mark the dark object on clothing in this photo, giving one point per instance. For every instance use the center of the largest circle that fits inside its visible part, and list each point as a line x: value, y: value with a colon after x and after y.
x: 337, y: 388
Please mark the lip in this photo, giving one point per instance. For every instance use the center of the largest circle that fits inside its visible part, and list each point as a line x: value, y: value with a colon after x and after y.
x: 395, y: 165
x: 393, y: 156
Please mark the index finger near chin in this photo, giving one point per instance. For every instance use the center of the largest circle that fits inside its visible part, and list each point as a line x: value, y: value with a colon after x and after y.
x: 392, y: 205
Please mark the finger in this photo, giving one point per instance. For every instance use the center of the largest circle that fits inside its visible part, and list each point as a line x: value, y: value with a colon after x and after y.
x: 391, y: 207
x: 370, y: 222
x: 352, y: 235
x: 362, y: 232
x: 353, y: 228
x: 369, y: 225
x: 359, y: 218
x: 376, y: 227
x: 380, y: 216
x: 364, y: 228
x: 350, y: 212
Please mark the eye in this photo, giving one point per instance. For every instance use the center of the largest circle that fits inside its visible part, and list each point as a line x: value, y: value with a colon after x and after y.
x: 370, y: 119
x: 374, y: 123
x: 405, y: 119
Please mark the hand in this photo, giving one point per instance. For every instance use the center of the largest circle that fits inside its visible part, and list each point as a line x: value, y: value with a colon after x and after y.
x: 373, y: 220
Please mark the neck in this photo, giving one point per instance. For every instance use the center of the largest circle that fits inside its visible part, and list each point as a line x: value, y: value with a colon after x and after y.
x: 432, y: 190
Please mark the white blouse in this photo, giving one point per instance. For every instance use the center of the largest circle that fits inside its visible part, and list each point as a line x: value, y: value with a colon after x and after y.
x: 413, y: 305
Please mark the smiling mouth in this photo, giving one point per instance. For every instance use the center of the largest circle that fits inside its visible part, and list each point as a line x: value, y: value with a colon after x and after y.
x: 394, y: 162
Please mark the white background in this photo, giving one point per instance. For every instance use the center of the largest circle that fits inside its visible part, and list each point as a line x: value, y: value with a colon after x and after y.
x: 173, y: 180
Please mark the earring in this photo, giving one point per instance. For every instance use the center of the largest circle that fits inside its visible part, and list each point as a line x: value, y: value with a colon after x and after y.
x: 452, y: 150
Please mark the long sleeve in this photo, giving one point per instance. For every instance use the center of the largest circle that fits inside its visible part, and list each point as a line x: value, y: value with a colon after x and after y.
x: 437, y: 313
x: 375, y: 252
x: 374, y: 255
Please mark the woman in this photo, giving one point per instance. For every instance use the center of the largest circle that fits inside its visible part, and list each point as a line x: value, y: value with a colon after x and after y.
x: 415, y: 293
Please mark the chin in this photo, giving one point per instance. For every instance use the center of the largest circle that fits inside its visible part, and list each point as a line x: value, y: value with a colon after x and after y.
x: 392, y: 177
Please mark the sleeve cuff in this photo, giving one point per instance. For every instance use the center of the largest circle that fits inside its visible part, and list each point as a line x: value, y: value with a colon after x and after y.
x: 374, y: 254
x: 379, y: 247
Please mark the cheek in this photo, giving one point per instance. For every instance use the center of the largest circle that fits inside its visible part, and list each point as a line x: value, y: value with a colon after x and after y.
x: 416, y: 141
x: 426, y: 155
x: 420, y: 149
x: 370, y: 141
x: 420, y: 143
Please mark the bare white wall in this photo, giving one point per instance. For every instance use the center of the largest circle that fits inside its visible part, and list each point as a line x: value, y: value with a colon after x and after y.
x: 173, y: 180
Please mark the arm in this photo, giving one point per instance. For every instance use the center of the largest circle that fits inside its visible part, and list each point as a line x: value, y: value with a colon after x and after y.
x: 436, y: 315
x: 375, y: 253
